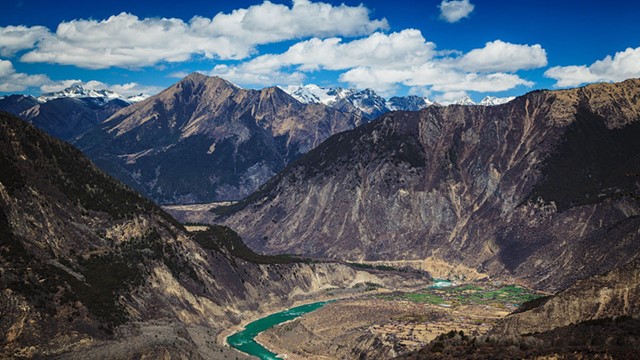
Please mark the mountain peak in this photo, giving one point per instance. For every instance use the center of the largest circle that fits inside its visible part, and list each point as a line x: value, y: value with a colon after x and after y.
x: 196, y: 76
x: 79, y: 91
x: 492, y: 100
x: 465, y: 100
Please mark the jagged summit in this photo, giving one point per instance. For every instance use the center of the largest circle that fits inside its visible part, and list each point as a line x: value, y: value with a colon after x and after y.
x: 366, y: 101
x: 372, y: 105
x: 492, y: 100
x: 196, y: 77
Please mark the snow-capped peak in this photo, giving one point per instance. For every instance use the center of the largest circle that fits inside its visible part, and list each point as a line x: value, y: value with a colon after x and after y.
x: 465, y: 100
x: 100, y: 97
x: 492, y: 100
x: 312, y: 93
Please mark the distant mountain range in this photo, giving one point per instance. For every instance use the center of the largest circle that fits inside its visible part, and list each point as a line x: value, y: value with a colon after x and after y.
x: 100, y: 97
x: 69, y: 113
x: 370, y: 104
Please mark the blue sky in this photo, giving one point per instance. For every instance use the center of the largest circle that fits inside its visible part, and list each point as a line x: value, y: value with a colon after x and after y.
x: 440, y: 49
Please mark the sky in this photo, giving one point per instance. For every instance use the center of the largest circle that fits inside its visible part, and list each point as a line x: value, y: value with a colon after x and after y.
x: 439, y: 49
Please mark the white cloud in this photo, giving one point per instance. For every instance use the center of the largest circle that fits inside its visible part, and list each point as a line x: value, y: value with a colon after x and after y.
x: 16, y: 38
x: 503, y: 56
x: 384, y: 61
x: 269, y: 23
x: 11, y: 81
x: 127, y: 41
x: 450, y: 97
x: 623, y: 65
x: 133, y: 88
x: 404, y: 48
x: 259, y: 77
x: 455, y: 10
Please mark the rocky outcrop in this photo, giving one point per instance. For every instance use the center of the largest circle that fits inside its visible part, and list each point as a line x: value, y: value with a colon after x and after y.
x: 90, y: 269
x: 611, y: 295
x: 545, y: 188
x: 204, y: 139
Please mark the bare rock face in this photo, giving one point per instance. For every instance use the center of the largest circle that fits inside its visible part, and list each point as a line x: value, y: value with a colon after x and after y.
x: 204, y: 139
x: 90, y: 269
x: 545, y: 188
x: 606, y: 296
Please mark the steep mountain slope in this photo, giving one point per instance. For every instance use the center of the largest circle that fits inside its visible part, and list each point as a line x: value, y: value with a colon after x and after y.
x: 66, y: 118
x: 16, y: 104
x: 545, y: 188
x: 90, y: 269
x: 605, y: 296
x: 204, y: 139
x: 594, y: 318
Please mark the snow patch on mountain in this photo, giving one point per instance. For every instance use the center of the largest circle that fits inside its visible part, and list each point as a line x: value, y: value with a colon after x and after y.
x: 367, y: 101
x: 99, y: 97
x: 492, y: 100
x: 465, y: 100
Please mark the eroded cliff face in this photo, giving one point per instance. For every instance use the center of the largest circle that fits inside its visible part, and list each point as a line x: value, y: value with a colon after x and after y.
x: 90, y: 269
x: 544, y: 188
x: 611, y: 295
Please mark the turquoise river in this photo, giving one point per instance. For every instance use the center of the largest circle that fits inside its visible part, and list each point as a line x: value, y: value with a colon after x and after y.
x: 245, y: 340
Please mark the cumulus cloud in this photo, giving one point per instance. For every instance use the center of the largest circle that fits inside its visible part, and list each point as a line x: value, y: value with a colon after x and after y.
x: 268, y: 22
x: 11, y: 80
x: 450, y: 96
x: 623, y: 65
x: 384, y: 61
x: 502, y: 56
x: 16, y: 38
x: 260, y: 77
x: 404, y: 48
x: 14, y: 81
x: 455, y: 10
x: 124, y: 40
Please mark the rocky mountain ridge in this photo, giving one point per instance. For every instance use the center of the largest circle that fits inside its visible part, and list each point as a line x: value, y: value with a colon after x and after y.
x: 97, y: 96
x: 204, y: 139
x: 533, y: 188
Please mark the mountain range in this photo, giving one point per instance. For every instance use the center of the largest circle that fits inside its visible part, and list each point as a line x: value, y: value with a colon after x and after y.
x: 69, y: 113
x: 533, y: 188
x: 372, y: 105
x: 209, y: 139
